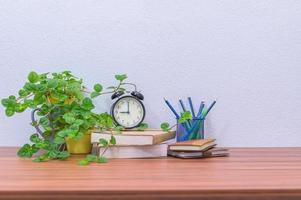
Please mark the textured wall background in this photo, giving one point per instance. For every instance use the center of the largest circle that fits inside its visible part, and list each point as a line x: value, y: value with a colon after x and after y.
x: 245, y: 54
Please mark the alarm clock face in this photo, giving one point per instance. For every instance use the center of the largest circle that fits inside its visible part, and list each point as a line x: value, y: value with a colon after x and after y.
x: 128, y: 112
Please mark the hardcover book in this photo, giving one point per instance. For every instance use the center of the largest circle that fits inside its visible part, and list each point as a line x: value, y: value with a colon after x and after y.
x: 193, y: 145
x: 135, y: 137
x: 147, y: 151
x: 213, y: 152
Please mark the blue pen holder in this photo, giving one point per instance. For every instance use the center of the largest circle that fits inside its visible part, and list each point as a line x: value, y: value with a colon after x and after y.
x: 191, y: 130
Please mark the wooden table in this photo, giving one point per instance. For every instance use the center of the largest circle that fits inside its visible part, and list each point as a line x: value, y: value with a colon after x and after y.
x: 249, y: 173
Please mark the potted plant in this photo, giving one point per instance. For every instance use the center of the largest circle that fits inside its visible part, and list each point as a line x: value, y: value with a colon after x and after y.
x: 64, y: 108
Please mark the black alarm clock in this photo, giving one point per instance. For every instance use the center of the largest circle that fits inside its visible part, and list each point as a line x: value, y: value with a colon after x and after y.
x: 128, y: 110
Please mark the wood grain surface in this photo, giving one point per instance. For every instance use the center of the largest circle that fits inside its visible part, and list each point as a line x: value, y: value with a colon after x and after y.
x: 249, y: 173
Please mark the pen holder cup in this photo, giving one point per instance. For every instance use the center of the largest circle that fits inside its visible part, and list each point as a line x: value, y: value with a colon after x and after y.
x: 190, y: 130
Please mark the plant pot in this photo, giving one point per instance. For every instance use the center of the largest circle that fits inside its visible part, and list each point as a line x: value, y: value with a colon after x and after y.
x: 67, y: 101
x: 81, y: 146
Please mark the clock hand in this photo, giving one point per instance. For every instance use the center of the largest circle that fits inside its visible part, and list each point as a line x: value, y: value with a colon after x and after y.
x: 128, y: 108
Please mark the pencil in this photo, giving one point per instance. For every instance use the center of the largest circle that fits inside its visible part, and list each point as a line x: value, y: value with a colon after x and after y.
x: 210, y: 107
x: 191, y: 106
x: 171, y: 108
x: 201, y: 109
x: 182, y: 105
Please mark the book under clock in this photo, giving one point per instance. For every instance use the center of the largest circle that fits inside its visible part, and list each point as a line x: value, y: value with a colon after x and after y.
x: 150, y: 143
x: 135, y: 137
x: 142, y: 151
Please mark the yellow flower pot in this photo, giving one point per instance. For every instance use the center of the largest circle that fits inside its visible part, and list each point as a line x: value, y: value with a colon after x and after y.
x: 54, y: 100
x: 81, y: 146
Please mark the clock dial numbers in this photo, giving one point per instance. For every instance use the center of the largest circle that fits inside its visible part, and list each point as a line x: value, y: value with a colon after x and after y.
x: 128, y: 112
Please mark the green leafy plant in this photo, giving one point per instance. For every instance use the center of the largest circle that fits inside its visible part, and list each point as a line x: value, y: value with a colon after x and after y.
x: 165, y: 126
x: 142, y: 127
x: 185, y: 116
x: 99, y: 159
x: 65, y: 109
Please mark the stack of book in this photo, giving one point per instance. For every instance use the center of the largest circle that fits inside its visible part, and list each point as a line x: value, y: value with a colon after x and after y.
x: 134, y: 144
x: 196, y: 149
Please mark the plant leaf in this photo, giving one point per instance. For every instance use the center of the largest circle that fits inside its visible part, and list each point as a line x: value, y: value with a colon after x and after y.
x: 103, y: 142
x: 30, y: 87
x: 35, y: 138
x: 121, y: 77
x: 102, y: 160
x: 27, y: 151
x: 91, y: 158
x: 59, y: 140
x: 69, y: 117
x: 142, y: 126
x: 97, y: 87
x: 87, y: 104
x: 53, y: 83
x: 41, y: 158
x: 118, y: 129
x: 9, y: 112
x: 33, y: 77
x: 185, y: 116
x: 64, y: 133
x: 5, y: 102
x: 165, y: 126
x: 63, y: 155
x: 83, y: 162
x: 23, y: 93
x: 113, y: 140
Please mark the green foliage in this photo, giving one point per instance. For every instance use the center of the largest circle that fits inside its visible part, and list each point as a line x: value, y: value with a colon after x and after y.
x: 59, y: 140
x: 41, y: 158
x: 98, y: 159
x: 64, y: 108
x: 102, y: 159
x: 53, y: 83
x: 118, y: 129
x: 98, y: 87
x: 185, y: 116
x: 87, y: 104
x: 97, y: 90
x: 83, y: 162
x: 69, y: 117
x: 142, y: 127
x: 33, y: 77
x: 165, y: 126
x: 27, y: 151
x: 112, y: 140
x: 103, y: 142
x: 91, y: 158
x: 121, y: 77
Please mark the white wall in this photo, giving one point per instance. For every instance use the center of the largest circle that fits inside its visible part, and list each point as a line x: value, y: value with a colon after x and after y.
x: 245, y: 54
